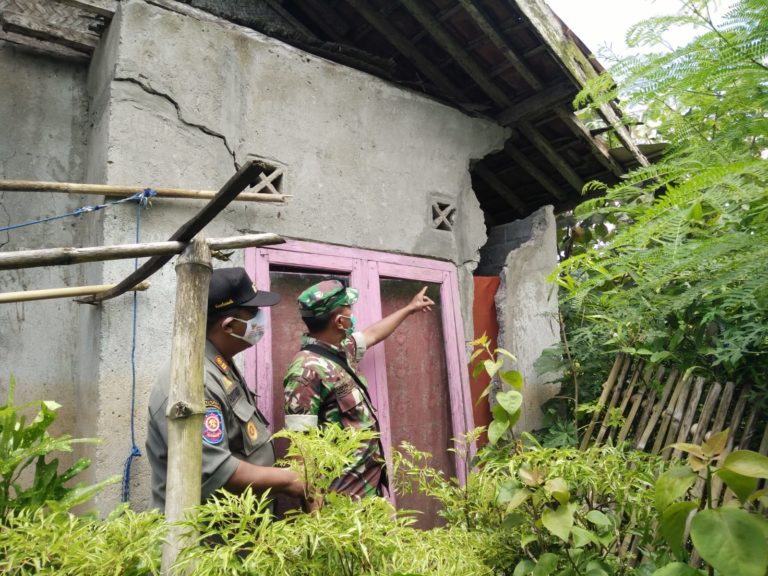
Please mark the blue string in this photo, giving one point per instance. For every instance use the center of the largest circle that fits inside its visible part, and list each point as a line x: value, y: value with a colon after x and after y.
x: 141, y: 197
x: 142, y: 203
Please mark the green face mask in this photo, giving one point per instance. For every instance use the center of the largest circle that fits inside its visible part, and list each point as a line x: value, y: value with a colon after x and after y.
x: 348, y: 331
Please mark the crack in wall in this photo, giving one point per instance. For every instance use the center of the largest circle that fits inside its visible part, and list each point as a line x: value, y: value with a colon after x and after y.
x: 204, y: 129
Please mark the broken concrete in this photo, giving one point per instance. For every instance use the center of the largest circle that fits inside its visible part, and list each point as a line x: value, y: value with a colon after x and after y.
x: 527, y: 307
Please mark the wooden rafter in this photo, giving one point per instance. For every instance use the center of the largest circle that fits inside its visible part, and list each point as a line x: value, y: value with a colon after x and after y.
x: 405, y: 47
x: 104, y: 8
x: 597, y: 147
x: 537, y: 104
x: 536, y: 173
x: 495, y: 35
x: 25, y: 25
x: 449, y: 43
x: 552, y: 155
x: 500, y: 188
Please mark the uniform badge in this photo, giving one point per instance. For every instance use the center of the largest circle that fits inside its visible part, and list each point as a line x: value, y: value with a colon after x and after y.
x: 253, y: 433
x: 222, y: 364
x: 213, y: 426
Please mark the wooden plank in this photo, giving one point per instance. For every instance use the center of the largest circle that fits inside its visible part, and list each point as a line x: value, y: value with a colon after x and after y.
x: 495, y: 36
x: 604, y: 428
x: 607, y: 387
x: 68, y: 292
x: 66, y: 256
x: 598, y: 148
x: 22, y: 24
x: 44, y: 47
x: 690, y: 412
x: 536, y: 173
x: 500, y: 188
x: 552, y: 155
x: 706, y: 413
x: 537, y: 104
x: 246, y: 176
x: 446, y: 41
x: 104, y: 8
x: 658, y: 409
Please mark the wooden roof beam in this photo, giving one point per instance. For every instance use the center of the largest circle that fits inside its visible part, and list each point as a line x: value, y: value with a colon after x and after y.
x: 597, y: 147
x: 27, y: 26
x: 552, y: 156
x: 103, y: 8
x: 576, y: 63
x: 509, y: 26
x: 536, y: 173
x: 442, y: 16
x: 452, y: 46
x: 537, y: 104
x: 405, y: 47
x: 495, y: 35
x: 500, y: 188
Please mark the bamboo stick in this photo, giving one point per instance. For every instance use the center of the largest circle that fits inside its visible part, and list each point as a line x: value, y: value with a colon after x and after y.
x: 50, y: 293
x: 684, y: 431
x: 601, y: 402
x: 604, y: 427
x: 647, y: 404
x: 66, y: 256
x: 650, y: 426
x: 185, y: 395
x: 123, y: 191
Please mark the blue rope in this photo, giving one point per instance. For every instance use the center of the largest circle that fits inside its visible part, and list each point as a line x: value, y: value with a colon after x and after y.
x: 141, y: 197
x: 142, y: 203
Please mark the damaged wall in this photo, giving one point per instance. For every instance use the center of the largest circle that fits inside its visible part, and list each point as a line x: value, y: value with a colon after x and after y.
x: 527, y: 306
x: 176, y: 99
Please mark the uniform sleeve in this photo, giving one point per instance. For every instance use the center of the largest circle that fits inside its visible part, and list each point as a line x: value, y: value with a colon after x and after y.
x: 219, y: 464
x: 302, y: 399
x: 356, y: 346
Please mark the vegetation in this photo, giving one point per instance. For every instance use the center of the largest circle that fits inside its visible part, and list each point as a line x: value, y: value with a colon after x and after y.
x: 669, y: 264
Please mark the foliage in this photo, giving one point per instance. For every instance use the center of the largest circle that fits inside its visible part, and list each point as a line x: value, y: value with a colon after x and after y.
x: 34, y: 541
x: 668, y: 264
x: 508, y: 403
x: 25, y: 445
x: 732, y: 539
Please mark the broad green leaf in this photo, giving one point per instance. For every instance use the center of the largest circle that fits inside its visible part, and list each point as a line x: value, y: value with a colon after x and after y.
x: 506, y: 490
x: 475, y: 354
x: 513, y: 378
x: 492, y: 367
x: 694, y: 449
x: 531, y: 476
x: 715, y: 444
x: 747, y: 463
x: 526, y: 539
x: 558, y: 489
x: 672, y: 525
x: 479, y: 367
x: 546, y: 565
x: 559, y: 522
x: 512, y: 520
x: 496, y: 430
x: 678, y: 569
x: 524, y: 568
x: 506, y: 353
x: 499, y: 413
x: 518, y: 498
x: 510, y: 401
x: 742, y: 486
x: 731, y: 540
x: 599, y: 519
x: 582, y: 537
x: 673, y: 484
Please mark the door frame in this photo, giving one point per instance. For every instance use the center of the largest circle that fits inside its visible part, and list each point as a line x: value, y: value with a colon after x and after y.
x: 365, y: 268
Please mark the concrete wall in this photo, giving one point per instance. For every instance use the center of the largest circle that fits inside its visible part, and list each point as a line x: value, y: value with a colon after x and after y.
x: 176, y: 99
x: 43, y: 122
x: 527, y: 306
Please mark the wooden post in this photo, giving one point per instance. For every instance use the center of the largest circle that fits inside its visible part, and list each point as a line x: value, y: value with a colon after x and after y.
x: 185, y: 396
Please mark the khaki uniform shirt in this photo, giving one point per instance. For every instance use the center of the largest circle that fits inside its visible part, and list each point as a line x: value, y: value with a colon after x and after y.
x: 233, y: 428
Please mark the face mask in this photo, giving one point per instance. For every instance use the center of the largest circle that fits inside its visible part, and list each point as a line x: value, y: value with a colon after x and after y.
x: 254, y: 329
x: 348, y: 331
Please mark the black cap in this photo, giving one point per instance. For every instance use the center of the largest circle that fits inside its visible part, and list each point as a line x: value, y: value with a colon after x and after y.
x: 232, y: 288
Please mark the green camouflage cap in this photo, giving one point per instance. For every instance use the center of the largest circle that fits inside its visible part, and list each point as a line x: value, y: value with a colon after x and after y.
x: 323, y: 297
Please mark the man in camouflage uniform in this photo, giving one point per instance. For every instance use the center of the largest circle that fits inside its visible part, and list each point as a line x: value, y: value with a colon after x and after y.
x: 237, y: 450
x: 324, y: 384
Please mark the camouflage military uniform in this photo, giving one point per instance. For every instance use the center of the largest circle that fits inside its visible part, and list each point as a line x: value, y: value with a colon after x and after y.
x: 319, y: 391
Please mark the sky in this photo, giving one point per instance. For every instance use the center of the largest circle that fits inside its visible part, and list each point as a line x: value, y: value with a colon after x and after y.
x: 601, y: 23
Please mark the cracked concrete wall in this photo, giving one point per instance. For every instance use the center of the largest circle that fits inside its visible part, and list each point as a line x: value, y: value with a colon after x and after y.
x: 526, y: 305
x: 43, y: 115
x: 178, y: 99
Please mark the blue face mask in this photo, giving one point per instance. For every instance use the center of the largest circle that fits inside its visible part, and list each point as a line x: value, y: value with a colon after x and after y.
x: 348, y: 331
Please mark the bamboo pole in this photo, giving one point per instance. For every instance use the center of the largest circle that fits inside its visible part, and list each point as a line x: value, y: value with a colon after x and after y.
x: 63, y: 256
x: 50, y: 293
x: 185, y: 395
x: 123, y: 191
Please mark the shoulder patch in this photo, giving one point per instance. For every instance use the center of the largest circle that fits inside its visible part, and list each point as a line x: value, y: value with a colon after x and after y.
x: 253, y: 432
x: 212, y: 404
x: 213, y: 426
x: 222, y: 364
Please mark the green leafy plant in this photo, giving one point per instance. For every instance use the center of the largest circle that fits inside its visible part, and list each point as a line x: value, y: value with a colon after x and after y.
x: 732, y: 539
x: 508, y: 403
x: 25, y: 445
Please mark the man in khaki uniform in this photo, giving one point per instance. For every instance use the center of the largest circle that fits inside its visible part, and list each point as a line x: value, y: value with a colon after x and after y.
x: 237, y: 451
